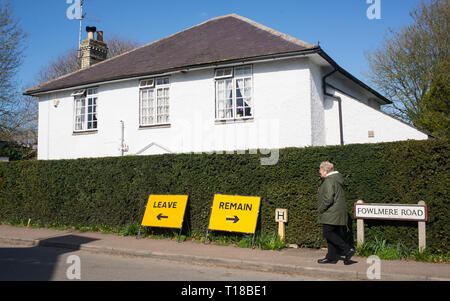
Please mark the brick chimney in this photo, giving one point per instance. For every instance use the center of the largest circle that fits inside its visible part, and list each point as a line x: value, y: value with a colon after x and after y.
x: 93, y: 51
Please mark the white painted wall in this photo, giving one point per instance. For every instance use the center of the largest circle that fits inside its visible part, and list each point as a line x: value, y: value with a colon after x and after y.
x: 352, y: 89
x: 360, y: 118
x: 290, y: 110
x: 282, y: 116
x: 318, y: 133
x: 331, y: 112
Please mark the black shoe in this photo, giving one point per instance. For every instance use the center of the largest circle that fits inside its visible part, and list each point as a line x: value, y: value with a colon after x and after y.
x: 349, y: 254
x: 326, y: 260
x: 349, y: 262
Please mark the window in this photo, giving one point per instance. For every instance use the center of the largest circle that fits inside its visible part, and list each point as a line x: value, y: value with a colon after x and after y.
x: 150, y: 83
x: 227, y: 72
x: 234, y: 93
x: 154, y: 101
x: 79, y: 92
x: 85, y: 109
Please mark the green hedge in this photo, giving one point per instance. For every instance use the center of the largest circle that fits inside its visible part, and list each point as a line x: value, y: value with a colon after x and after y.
x: 16, y: 152
x: 114, y: 191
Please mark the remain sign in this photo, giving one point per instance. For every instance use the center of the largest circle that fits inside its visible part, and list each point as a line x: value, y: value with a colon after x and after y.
x: 390, y: 212
x: 234, y: 213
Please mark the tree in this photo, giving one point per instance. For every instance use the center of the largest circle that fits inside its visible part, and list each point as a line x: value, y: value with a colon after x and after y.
x: 436, y: 111
x: 70, y: 62
x: 11, y: 54
x: 405, y: 65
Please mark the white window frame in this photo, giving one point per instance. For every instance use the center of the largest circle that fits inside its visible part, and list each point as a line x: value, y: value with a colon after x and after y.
x: 156, y: 109
x: 79, y: 92
x: 147, y: 83
x: 224, y: 73
x: 234, y: 77
x: 85, y: 104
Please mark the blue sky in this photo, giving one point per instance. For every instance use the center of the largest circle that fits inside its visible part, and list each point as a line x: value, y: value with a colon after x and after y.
x: 341, y: 26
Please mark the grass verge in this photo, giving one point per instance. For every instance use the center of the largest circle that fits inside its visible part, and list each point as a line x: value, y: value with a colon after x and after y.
x: 386, y: 251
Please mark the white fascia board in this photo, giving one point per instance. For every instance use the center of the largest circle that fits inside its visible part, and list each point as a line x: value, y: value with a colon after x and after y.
x: 211, y: 66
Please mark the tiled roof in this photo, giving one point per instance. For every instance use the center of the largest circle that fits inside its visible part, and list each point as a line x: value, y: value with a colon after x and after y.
x: 225, y: 38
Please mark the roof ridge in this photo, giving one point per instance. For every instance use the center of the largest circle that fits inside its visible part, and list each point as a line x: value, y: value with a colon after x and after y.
x: 234, y: 15
x: 273, y: 31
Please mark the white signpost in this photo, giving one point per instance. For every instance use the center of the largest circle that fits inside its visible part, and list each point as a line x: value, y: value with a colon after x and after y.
x: 398, y: 212
x: 281, y: 218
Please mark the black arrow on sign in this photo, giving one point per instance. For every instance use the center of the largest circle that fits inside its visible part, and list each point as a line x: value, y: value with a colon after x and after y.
x: 235, y: 219
x: 160, y: 216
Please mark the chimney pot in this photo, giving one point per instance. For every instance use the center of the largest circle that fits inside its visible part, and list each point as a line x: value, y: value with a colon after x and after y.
x: 100, y: 36
x: 91, y: 31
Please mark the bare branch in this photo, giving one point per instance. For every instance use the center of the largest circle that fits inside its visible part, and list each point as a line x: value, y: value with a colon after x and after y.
x: 403, y: 67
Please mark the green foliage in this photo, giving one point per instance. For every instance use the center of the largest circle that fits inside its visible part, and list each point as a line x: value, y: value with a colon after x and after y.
x: 431, y: 256
x: 110, y: 194
x: 129, y: 230
x: 399, y: 251
x: 435, y: 117
x: 269, y: 241
x: 383, y: 250
x: 264, y: 241
x: 15, y: 152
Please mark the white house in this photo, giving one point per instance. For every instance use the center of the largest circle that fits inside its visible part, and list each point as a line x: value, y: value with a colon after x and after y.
x: 227, y: 84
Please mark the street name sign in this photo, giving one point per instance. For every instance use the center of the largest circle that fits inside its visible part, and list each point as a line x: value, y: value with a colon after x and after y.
x: 165, y: 211
x: 234, y: 213
x: 391, y: 212
x: 398, y: 212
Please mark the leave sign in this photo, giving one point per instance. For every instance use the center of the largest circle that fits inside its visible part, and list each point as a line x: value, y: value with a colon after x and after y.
x: 234, y: 213
x: 165, y: 211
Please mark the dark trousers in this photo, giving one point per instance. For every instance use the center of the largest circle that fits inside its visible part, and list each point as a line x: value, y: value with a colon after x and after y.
x: 335, y: 239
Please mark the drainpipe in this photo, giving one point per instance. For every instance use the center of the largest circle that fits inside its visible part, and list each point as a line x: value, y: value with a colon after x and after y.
x: 122, y: 134
x: 339, y: 100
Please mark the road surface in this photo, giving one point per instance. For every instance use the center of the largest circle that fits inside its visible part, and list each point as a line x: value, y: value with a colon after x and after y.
x: 44, y: 263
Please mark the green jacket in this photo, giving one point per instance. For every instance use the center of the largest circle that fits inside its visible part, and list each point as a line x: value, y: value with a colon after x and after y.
x: 331, y: 205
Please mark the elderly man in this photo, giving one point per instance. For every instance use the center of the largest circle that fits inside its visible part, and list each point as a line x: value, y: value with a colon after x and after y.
x: 332, y: 211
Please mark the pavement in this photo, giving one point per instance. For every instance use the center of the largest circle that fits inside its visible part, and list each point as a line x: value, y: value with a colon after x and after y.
x: 290, y: 260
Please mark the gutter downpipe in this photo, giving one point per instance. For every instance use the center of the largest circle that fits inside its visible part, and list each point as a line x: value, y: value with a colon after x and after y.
x: 339, y: 100
x: 122, y: 137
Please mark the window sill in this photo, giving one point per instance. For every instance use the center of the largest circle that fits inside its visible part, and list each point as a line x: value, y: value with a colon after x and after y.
x: 154, y: 126
x: 241, y: 120
x: 87, y: 132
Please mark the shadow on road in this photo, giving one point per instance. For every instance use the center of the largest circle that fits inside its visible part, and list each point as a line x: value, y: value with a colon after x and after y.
x: 37, y: 263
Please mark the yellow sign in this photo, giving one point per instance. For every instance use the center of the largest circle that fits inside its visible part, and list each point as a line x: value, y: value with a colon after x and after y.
x: 165, y: 211
x: 234, y: 213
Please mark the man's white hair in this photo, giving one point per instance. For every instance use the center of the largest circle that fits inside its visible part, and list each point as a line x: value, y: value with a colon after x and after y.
x: 327, y: 166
